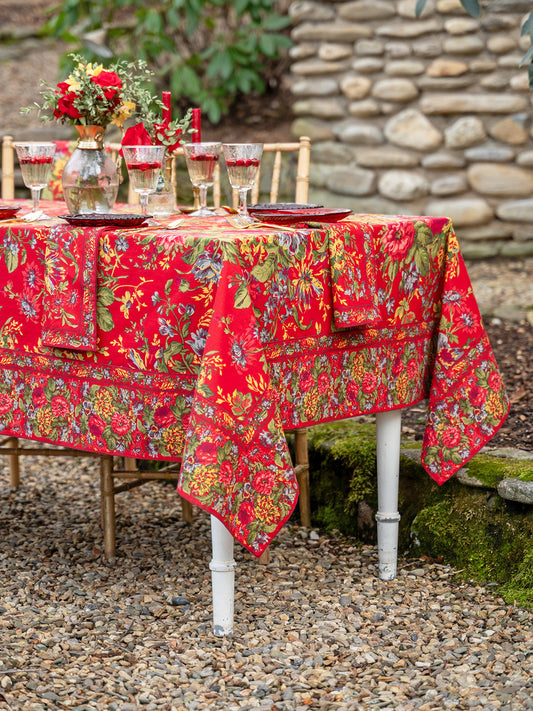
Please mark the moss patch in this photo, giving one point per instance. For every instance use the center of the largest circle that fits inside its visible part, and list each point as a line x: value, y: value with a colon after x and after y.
x: 473, y: 529
x: 484, y: 536
x: 491, y: 470
x: 342, y: 459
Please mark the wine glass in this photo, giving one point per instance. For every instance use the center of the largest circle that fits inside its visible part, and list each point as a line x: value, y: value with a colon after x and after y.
x: 202, y: 159
x: 144, y: 165
x: 35, y: 160
x: 242, y: 163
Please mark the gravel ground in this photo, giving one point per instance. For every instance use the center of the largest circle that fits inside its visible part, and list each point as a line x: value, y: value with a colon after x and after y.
x: 315, y: 629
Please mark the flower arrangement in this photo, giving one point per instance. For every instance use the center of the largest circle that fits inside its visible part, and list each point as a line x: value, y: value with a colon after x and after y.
x: 93, y: 95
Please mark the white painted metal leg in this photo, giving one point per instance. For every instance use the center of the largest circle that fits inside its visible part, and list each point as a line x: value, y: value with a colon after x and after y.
x: 388, y: 435
x: 222, y: 568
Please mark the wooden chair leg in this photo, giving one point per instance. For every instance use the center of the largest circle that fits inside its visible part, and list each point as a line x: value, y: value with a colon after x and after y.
x: 14, y: 471
x: 187, y: 512
x: 301, y: 468
x: 107, y: 492
x: 130, y: 464
x: 264, y: 558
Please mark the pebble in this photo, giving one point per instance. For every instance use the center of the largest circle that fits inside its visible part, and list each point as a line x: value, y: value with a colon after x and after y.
x: 314, y: 629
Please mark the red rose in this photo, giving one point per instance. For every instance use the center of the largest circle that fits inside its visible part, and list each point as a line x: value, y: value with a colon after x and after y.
x: 96, y: 425
x: 38, y: 397
x: 110, y: 83
x: 369, y: 382
x: 263, y: 482
x: 60, y: 406
x: 120, y: 424
x: 207, y: 453
x: 163, y: 416
x: 398, y: 239
x: 6, y: 403
x: 136, y: 136
x: 495, y: 381
x: 477, y: 396
x: 65, y: 106
x: 451, y: 437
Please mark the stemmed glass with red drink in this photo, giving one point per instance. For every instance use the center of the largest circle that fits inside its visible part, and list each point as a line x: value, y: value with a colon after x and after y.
x: 202, y: 159
x: 35, y: 160
x: 144, y: 165
x: 242, y: 163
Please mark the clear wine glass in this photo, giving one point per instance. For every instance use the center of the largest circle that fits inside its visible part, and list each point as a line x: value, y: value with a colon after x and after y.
x: 35, y: 158
x: 202, y: 159
x: 242, y: 163
x: 144, y: 165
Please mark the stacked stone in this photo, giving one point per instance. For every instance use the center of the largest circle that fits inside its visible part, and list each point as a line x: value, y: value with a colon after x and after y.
x: 427, y: 116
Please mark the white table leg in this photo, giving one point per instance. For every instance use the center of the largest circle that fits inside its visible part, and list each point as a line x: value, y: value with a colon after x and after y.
x: 388, y: 435
x: 222, y: 568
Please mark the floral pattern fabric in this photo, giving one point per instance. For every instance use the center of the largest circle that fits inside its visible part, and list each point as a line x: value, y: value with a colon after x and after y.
x: 69, y: 299
x: 212, y: 340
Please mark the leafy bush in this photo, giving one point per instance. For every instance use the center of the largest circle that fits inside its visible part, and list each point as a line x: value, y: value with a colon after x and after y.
x: 207, y: 52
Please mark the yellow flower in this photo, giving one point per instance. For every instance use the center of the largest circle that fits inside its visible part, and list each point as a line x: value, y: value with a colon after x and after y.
x: 73, y: 84
x: 93, y: 71
x: 124, y: 112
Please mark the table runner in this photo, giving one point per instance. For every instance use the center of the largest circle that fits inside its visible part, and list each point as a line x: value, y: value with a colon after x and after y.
x: 211, y: 341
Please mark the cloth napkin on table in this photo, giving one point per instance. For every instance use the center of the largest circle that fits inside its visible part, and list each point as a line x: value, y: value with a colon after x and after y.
x: 353, y: 275
x: 69, y: 314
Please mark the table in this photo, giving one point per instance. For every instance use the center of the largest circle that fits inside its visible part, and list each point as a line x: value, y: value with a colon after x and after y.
x: 203, y: 343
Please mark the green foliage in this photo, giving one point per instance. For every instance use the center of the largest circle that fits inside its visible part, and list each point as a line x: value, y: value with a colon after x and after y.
x: 207, y: 52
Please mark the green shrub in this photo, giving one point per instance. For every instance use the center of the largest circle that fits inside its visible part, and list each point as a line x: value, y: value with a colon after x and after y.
x: 207, y: 52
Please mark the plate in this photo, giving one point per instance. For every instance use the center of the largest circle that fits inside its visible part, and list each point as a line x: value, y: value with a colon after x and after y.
x: 8, y: 211
x: 276, y: 206
x: 100, y: 219
x: 319, y: 214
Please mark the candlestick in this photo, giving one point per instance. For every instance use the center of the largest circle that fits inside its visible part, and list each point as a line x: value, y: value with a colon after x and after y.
x: 167, y: 107
x: 197, y: 125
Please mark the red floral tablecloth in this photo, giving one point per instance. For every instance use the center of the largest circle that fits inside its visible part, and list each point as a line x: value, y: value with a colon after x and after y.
x: 204, y: 343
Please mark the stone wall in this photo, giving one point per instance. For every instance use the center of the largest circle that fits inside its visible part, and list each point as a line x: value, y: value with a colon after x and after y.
x: 427, y: 116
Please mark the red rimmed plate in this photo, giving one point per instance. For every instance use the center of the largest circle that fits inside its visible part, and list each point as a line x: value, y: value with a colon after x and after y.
x: 99, y: 219
x: 8, y: 211
x: 283, y: 206
x: 319, y: 214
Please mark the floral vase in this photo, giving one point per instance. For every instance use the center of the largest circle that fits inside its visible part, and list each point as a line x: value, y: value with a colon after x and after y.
x: 162, y: 202
x: 90, y: 177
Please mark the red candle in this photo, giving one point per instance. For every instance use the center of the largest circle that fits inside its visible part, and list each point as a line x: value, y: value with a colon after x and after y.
x: 197, y: 125
x: 167, y: 111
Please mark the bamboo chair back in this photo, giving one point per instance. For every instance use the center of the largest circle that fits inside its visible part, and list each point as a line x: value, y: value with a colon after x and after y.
x: 277, y: 151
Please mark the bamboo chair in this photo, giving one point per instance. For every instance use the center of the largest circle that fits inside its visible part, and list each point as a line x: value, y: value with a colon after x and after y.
x: 126, y: 469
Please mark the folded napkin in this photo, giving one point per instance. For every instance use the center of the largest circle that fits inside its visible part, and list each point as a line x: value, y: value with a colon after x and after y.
x: 353, y: 275
x: 69, y: 314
